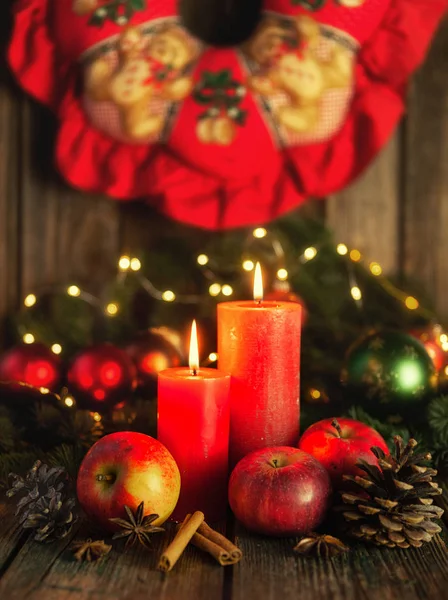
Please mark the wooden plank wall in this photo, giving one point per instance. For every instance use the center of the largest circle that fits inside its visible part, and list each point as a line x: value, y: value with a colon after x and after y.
x: 397, y: 213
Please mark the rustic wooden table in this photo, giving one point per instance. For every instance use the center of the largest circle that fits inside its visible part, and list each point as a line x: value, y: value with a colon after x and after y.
x: 269, y: 570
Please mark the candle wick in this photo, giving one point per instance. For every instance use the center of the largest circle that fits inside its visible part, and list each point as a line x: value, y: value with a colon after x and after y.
x: 194, y: 371
x: 259, y: 302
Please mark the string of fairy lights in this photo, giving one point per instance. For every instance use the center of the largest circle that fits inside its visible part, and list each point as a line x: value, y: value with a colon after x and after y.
x: 132, y: 266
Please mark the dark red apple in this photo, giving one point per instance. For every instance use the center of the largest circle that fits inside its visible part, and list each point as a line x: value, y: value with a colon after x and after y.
x: 126, y: 468
x: 279, y: 491
x: 338, y: 444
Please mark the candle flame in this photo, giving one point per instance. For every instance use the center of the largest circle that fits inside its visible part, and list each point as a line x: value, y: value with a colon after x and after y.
x: 258, y: 284
x: 194, y: 349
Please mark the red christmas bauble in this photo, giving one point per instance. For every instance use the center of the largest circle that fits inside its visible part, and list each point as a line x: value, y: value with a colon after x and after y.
x: 282, y: 292
x: 153, y: 351
x: 101, y: 377
x: 34, y: 364
x: 430, y: 338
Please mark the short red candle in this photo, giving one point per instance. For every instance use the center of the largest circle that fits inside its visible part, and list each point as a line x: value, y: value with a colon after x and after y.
x: 193, y: 423
x: 259, y: 345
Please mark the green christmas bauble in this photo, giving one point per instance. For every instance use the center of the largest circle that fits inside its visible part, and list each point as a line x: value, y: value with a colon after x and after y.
x: 389, y: 372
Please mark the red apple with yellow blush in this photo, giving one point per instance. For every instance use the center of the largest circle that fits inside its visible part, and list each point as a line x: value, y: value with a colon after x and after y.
x: 338, y: 444
x: 126, y: 468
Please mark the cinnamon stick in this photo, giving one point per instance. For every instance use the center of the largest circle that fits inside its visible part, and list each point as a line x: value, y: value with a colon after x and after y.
x: 209, y: 540
x: 216, y: 537
x: 218, y: 553
x: 183, y: 537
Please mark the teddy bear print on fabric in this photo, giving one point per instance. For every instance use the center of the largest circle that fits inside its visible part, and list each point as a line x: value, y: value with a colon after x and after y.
x: 150, y: 73
x: 84, y: 7
x: 101, y: 11
x: 295, y: 67
x: 221, y: 96
x: 351, y: 3
x: 318, y: 4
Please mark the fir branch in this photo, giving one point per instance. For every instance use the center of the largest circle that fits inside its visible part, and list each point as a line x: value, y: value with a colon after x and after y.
x: 440, y: 460
x: 387, y: 430
x: 438, y: 419
x: 67, y: 456
x: 8, y: 433
x: 18, y: 462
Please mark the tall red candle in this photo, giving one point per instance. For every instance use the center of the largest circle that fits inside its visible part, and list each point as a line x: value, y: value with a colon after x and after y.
x: 259, y: 345
x: 193, y: 423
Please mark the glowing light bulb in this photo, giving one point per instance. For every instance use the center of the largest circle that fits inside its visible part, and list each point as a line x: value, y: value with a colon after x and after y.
x: 355, y: 255
x: 356, y: 293
x: 282, y: 274
x: 259, y: 233
x: 44, y: 390
x: 96, y: 417
x: 411, y: 303
x: 213, y: 357
x: 227, y: 290
x: 446, y: 371
x: 315, y: 394
x: 310, y: 253
x: 375, y: 269
x: 124, y: 263
x: 136, y: 265
x: 29, y: 338
x: 214, y: 289
x: 56, y: 348
x: 248, y: 265
x: 168, y: 296
x: 342, y: 249
x: 74, y: 291
x: 112, y: 309
x: 445, y: 346
x: 443, y: 338
x: 68, y: 401
x: 30, y: 300
x: 202, y: 260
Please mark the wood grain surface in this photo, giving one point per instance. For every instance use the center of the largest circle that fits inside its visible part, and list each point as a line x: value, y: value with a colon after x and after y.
x: 426, y: 181
x: 269, y: 570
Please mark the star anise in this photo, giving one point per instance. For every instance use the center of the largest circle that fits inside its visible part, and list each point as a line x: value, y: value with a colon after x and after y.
x: 90, y: 550
x: 320, y: 545
x: 137, y: 527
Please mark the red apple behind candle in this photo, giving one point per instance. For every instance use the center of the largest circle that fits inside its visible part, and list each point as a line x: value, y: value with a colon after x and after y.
x: 338, y: 444
x: 126, y: 468
x: 279, y: 491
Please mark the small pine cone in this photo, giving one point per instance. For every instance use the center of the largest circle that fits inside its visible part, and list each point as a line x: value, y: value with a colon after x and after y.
x: 40, y: 481
x: 394, y: 507
x: 52, y: 518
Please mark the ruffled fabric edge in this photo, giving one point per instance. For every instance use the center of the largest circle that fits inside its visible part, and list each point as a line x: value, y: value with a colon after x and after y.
x: 31, y: 53
x: 92, y: 161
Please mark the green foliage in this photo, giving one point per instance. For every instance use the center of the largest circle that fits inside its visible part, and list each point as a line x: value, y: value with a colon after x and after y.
x: 438, y: 419
x: 67, y: 456
x: 15, y: 462
x: 387, y: 430
x: 8, y: 432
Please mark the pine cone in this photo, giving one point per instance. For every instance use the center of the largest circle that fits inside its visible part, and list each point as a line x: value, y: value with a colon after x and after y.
x: 40, y: 481
x: 52, y: 518
x: 395, y: 504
